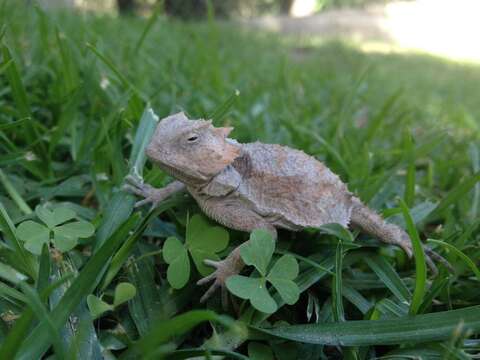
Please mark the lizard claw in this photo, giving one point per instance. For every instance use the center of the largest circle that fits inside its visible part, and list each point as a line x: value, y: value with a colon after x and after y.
x: 219, y: 276
x: 223, y: 270
x: 430, y: 256
x: 137, y: 187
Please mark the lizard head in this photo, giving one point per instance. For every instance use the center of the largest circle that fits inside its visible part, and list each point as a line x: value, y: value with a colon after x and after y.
x: 193, y: 151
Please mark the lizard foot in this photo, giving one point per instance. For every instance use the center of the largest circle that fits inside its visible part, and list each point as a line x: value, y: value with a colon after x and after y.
x: 223, y: 269
x: 150, y: 194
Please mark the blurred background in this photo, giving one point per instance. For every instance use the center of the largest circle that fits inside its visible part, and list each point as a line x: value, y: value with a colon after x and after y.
x: 442, y: 27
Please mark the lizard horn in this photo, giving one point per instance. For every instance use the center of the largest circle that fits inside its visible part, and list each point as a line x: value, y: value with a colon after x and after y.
x: 224, y: 131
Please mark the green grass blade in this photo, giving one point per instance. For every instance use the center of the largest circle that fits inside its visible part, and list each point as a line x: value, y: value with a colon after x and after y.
x: 39, y: 340
x: 409, y: 149
x: 3, y: 29
x: 5, y: 66
x: 19, y: 95
x: 357, y: 299
x: 328, y: 147
x: 166, y: 330
x: 148, y: 306
x: 13, y: 124
x: 70, y: 76
x: 109, y: 63
x: 26, y: 261
x: 78, y: 333
x: 460, y: 254
x: 385, y: 272
x: 337, y: 297
x: 126, y: 248
x: 437, y: 287
x: 144, y: 133
x: 10, y: 274
x: 18, y: 90
x: 11, y: 293
x: 119, y: 209
x: 202, y: 353
x: 475, y: 157
x: 220, y: 112
x: 438, y: 326
x: 389, y: 307
x: 14, y: 195
x: 16, y: 336
x: 376, y: 122
x: 151, y: 21
x: 43, y: 315
x: 458, y: 191
x: 420, y: 266
x: 308, y: 261
x: 43, y: 269
x: 461, y: 241
x: 13, y: 343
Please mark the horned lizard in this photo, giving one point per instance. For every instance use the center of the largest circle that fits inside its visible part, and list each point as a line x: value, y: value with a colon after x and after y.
x: 255, y: 186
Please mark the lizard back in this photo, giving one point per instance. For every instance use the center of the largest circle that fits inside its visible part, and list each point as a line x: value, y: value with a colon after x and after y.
x: 290, y: 187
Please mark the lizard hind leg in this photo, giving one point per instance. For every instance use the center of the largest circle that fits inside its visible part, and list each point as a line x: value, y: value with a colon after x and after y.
x: 230, y: 213
x: 373, y: 224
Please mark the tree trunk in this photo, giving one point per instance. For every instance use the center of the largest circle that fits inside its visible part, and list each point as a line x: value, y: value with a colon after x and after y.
x: 126, y: 7
x: 285, y: 6
x: 186, y: 8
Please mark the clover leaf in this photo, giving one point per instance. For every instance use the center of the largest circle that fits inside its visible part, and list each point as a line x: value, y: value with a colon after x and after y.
x: 34, y: 235
x: 175, y: 254
x: 258, y: 252
x: 123, y: 292
x: 54, y: 217
x: 57, y: 228
x: 97, y: 306
x: 253, y: 289
x: 203, y: 241
x: 281, y: 276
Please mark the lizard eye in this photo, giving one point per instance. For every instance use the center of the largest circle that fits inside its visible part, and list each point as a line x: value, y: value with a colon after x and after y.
x: 192, y: 138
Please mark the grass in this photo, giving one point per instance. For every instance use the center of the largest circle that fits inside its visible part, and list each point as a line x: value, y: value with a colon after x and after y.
x: 73, y: 89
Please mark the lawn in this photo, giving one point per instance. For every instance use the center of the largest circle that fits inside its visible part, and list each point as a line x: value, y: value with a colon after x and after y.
x: 85, y: 274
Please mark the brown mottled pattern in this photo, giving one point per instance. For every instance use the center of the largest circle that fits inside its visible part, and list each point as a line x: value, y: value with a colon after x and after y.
x: 252, y: 186
x: 294, y: 185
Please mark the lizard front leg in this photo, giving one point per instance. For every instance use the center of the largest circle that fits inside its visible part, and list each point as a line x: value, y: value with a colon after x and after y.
x: 234, y: 215
x: 149, y: 193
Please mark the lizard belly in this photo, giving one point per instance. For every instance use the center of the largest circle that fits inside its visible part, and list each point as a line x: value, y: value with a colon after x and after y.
x: 231, y: 211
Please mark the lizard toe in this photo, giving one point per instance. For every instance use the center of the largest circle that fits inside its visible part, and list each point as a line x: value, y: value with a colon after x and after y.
x: 133, y: 180
x: 210, y: 291
x: 212, y: 263
x: 223, y: 269
x: 133, y: 189
x: 206, y: 279
x: 144, y: 202
x: 431, y: 265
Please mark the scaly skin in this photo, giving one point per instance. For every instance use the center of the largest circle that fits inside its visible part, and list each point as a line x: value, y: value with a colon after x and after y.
x: 255, y: 186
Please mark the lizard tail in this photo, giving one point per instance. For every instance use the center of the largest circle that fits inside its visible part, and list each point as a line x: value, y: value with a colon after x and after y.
x: 373, y: 224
